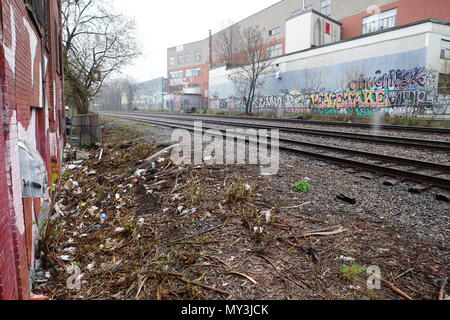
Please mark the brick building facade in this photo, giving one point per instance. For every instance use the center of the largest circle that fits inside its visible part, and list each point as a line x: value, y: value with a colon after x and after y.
x: 32, y: 133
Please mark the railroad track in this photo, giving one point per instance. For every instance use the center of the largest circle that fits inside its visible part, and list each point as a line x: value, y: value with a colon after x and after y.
x: 407, y: 169
x: 323, y: 123
x: 389, y: 140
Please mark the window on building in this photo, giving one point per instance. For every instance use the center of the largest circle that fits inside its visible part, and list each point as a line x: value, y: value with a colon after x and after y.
x: 180, y: 59
x: 318, y: 34
x: 38, y: 8
x: 176, y: 75
x: 275, y: 50
x: 445, y: 49
x: 274, y: 32
x: 198, y: 56
x: 325, y: 7
x: 380, y: 21
x: 171, y: 61
x: 188, y: 58
x: 193, y: 72
x: 327, y: 28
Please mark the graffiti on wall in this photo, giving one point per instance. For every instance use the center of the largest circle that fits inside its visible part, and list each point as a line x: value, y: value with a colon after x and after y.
x: 396, y: 93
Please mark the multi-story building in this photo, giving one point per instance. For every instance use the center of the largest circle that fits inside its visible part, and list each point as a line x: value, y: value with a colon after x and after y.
x: 188, y: 68
x: 328, y: 21
x: 149, y: 95
x: 32, y: 133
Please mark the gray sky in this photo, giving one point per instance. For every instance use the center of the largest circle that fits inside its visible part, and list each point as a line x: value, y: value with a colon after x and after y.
x: 167, y: 23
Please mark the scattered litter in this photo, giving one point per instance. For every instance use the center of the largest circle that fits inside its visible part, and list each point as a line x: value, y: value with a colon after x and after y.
x: 140, y: 172
x: 103, y: 217
x: 346, y: 259
x: 70, y: 250
x: 65, y: 258
x: 119, y: 230
x: 258, y: 230
x: 268, y: 215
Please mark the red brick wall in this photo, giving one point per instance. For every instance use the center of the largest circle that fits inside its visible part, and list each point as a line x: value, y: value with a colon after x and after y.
x: 201, y: 80
x: 8, y: 286
x: 28, y: 85
x: 408, y: 11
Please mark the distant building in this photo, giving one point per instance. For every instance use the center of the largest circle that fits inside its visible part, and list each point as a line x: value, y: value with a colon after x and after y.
x: 149, y: 95
x: 188, y: 68
x: 300, y: 32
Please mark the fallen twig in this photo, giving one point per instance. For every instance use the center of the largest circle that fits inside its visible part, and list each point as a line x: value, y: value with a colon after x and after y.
x: 160, y: 153
x: 396, y: 289
x: 182, y: 278
x: 295, y: 207
x: 244, y: 276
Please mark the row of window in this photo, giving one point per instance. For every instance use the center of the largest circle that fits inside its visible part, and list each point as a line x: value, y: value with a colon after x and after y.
x: 185, y: 59
x: 274, y: 51
x: 379, y: 21
x: 189, y: 73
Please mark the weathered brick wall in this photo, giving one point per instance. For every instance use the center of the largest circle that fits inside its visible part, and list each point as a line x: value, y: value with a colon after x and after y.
x: 31, y: 105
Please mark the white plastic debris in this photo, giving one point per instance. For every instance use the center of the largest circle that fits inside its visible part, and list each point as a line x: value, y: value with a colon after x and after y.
x: 247, y: 187
x: 258, y: 229
x: 139, y: 172
x: 180, y: 209
x: 71, y: 250
x: 120, y: 229
x: 141, y: 222
x: 91, y: 266
x: 346, y: 259
x: 65, y: 258
x: 267, y: 214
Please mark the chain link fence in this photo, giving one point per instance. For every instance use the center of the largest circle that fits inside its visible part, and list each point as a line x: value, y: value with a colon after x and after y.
x: 84, y: 130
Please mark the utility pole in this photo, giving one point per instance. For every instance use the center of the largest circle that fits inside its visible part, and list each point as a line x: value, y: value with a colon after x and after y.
x: 210, y: 49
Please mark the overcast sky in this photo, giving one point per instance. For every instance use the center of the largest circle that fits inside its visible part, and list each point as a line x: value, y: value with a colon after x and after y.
x: 167, y: 23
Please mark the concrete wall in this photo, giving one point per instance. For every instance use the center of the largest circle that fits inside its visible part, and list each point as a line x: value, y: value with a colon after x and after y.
x: 32, y: 104
x: 393, y: 72
x: 308, y: 29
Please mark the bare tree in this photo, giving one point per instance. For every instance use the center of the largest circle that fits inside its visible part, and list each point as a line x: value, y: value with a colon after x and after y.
x: 129, y: 91
x: 97, y: 43
x: 253, y: 63
x: 226, y: 45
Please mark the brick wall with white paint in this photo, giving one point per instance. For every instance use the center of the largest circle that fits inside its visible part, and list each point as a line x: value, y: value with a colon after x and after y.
x: 32, y: 103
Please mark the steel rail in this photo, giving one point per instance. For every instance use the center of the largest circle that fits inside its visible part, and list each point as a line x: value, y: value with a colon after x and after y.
x: 434, y: 180
x: 325, y: 123
x: 390, y: 140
